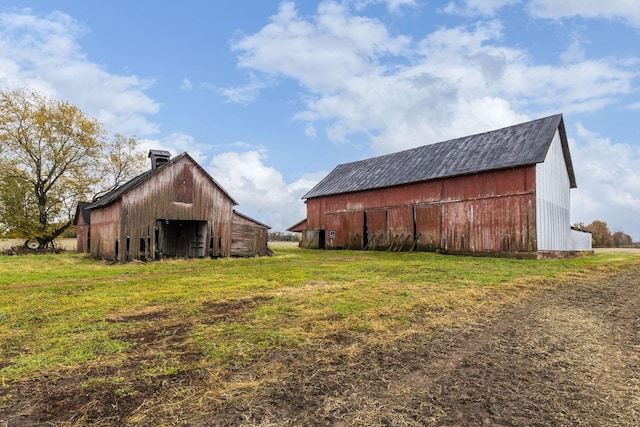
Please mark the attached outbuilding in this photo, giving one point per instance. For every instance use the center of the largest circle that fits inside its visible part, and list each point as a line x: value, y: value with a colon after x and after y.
x: 175, y: 209
x: 82, y: 221
x: 249, y: 237
x: 504, y: 192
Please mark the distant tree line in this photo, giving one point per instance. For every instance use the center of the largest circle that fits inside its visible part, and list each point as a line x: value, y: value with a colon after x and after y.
x: 602, y: 237
x: 280, y: 236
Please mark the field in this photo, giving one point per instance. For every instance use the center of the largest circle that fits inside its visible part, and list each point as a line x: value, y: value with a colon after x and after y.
x: 334, y: 338
x: 66, y: 244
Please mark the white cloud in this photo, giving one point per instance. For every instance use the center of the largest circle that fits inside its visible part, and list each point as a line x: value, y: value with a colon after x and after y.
x: 608, y: 177
x: 457, y: 81
x: 176, y: 143
x: 311, y: 131
x: 42, y: 53
x: 626, y: 10
x: 260, y: 190
x: 320, y: 52
x: 393, y: 6
x: 186, y: 84
x: 244, y: 94
x: 575, y: 52
x: 360, y: 79
x: 477, y: 7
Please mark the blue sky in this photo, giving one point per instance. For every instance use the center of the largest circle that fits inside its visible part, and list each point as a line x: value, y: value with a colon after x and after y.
x: 269, y: 96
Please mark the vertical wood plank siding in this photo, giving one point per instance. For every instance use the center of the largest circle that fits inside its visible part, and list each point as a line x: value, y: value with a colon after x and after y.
x: 82, y: 235
x: 485, y: 212
x: 249, y: 238
x: 105, y: 231
x: 180, y: 191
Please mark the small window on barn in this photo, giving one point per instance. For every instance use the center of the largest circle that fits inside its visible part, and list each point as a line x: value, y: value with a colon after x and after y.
x: 183, y: 185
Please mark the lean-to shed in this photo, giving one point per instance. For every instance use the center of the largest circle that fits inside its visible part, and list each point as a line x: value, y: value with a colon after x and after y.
x: 500, y: 192
x: 175, y: 209
x: 249, y: 237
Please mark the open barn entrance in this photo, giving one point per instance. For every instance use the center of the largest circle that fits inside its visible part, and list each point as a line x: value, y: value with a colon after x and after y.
x: 181, y: 239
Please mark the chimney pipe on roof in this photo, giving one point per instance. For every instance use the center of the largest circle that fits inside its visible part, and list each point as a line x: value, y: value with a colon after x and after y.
x: 158, y: 158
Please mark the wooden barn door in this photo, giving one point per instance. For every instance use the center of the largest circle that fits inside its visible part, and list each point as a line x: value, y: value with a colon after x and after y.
x: 344, y: 229
x: 401, y: 228
x: 428, y: 227
x: 376, y: 229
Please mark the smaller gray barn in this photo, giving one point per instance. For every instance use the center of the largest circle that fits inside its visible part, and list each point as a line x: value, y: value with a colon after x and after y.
x: 248, y: 236
x: 175, y: 209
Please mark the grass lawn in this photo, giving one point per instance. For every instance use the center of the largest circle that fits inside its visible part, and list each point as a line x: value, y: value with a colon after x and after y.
x: 63, y: 314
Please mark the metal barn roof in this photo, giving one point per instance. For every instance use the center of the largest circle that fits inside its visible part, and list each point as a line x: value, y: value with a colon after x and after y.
x: 513, y: 146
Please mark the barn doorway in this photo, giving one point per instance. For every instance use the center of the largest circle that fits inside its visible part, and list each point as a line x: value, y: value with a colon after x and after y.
x: 181, y: 239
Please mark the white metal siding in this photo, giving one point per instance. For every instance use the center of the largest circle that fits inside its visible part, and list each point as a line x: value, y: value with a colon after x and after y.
x: 581, y: 240
x: 553, y: 201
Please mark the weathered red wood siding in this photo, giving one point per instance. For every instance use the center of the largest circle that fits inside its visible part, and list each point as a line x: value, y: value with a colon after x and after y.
x: 350, y: 224
x: 485, y: 212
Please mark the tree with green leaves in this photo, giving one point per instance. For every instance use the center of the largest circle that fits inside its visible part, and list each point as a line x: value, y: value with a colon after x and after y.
x: 51, y: 156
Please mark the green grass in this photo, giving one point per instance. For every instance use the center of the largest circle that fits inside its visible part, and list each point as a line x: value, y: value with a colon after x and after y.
x: 59, y: 313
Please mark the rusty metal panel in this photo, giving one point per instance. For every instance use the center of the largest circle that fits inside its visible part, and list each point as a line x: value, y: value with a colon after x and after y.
x: 344, y: 230
x: 456, y: 226
x: 353, y: 226
x: 490, y: 184
x: 316, y: 209
x: 334, y: 233
x: 489, y: 212
x: 428, y: 227
x: 401, y: 228
x: 500, y: 224
x: 376, y: 228
x: 504, y: 224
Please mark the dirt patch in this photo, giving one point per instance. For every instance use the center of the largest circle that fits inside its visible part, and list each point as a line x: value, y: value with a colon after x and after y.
x: 224, y: 311
x: 99, y: 396
x: 568, y: 356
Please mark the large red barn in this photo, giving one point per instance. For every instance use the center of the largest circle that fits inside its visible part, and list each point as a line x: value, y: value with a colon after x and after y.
x: 501, y: 192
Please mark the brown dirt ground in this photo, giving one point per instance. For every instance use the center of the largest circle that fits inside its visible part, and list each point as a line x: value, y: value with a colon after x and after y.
x: 565, y: 357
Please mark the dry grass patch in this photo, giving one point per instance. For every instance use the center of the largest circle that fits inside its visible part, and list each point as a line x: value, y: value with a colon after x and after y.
x: 199, y: 340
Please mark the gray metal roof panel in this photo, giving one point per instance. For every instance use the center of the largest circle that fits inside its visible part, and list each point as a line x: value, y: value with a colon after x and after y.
x: 518, y: 145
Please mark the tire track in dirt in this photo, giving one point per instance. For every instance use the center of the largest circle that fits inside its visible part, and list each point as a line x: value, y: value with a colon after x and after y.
x: 568, y: 356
